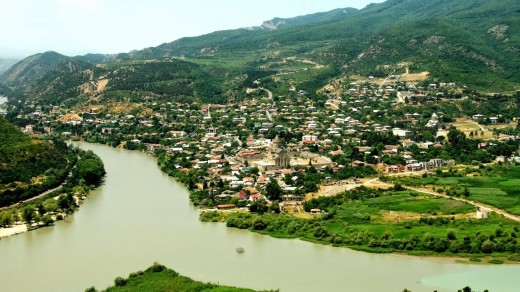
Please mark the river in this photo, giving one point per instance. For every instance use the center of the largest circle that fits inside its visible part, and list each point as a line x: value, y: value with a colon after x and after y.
x: 141, y: 215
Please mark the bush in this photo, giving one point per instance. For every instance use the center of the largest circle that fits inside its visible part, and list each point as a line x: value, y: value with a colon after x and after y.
x: 451, y: 235
x: 91, y: 289
x: 156, y: 268
x: 120, y: 281
x: 487, y: 246
x: 320, y: 232
x: 514, y: 258
x: 337, y: 240
x: 47, y: 220
x: 475, y: 260
x: 496, y: 261
x: 259, y: 223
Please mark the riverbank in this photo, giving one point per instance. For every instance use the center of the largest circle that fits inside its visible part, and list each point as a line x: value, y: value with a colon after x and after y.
x: 13, y: 230
x: 354, y: 220
x: 54, y: 204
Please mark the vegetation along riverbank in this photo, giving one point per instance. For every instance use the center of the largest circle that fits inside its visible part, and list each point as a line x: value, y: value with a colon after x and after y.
x: 159, y: 278
x: 41, y: 181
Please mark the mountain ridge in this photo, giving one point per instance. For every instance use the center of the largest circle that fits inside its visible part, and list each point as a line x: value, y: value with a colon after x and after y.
x: 6, y: 63
x: 474, y: 42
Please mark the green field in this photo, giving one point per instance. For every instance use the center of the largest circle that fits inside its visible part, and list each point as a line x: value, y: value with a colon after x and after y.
x: 388, y: 221
x: 498, y: 186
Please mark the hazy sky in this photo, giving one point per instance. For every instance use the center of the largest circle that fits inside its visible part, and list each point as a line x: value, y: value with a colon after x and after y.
x: 74, y: 27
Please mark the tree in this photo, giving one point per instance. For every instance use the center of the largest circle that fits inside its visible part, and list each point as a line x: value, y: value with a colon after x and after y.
x: 259, y: 207
x: 456, y: 137
x: 91, y: 169
x: 120, y: 281
x: 487, y: 246
x: 41, y: 209
x: 451, y: 235
x: 47, y: 220
x: 6, y: 218
x: 259, y: 223
x: 28, y: 214
x: 273, y: 190
x: 275, y: 207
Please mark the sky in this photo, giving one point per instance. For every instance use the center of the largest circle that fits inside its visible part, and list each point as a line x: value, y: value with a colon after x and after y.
x: 77, y: 27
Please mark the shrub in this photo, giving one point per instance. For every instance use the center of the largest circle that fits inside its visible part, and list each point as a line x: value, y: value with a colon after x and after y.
x: 475, y: 260
x: 338, y: 240
x: 496, y: 261
x: 451, y: 235
x: 487, y: 246
x: 514, y: 258
x: 120, y: 281
x: 259, y: 223
x: 320, y: 232
x: 91, y: 289
x: 156, y: 268
x: 47, y: 220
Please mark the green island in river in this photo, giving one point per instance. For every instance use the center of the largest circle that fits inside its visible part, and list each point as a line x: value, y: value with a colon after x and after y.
x: 158, y: 278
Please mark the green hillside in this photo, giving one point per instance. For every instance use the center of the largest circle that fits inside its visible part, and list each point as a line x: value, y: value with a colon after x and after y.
x: 471, y: 42
x: 28, y: 166
x: 49, y: 75
x: 6, y: 63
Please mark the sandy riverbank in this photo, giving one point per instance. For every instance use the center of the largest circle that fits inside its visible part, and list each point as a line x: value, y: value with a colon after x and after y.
x: 15, y: 229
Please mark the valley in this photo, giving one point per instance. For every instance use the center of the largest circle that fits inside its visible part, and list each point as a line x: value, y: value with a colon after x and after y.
x: 393, y: 129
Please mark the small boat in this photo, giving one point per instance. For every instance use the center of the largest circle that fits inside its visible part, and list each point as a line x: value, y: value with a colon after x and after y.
x: 240, y: 250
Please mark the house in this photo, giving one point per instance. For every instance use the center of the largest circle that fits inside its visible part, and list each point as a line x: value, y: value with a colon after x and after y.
x: 402, y: 133
x: 483, y: 213
x: 407, y: 143
x: 292, y: 198
x: 226, y: 207
x: 255, y: 197
x: 395, y: 168
x: 309, y: 138
x: 316, y: 211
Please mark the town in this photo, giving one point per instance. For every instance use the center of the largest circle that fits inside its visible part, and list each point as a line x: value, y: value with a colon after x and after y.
x: 228, y: 155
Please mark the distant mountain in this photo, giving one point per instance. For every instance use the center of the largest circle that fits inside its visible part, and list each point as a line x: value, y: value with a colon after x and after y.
x: 46, y: 74
x: 32, y: 68
x: 334, y: 15
x: 6, y: 63
x: 473, y: 42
